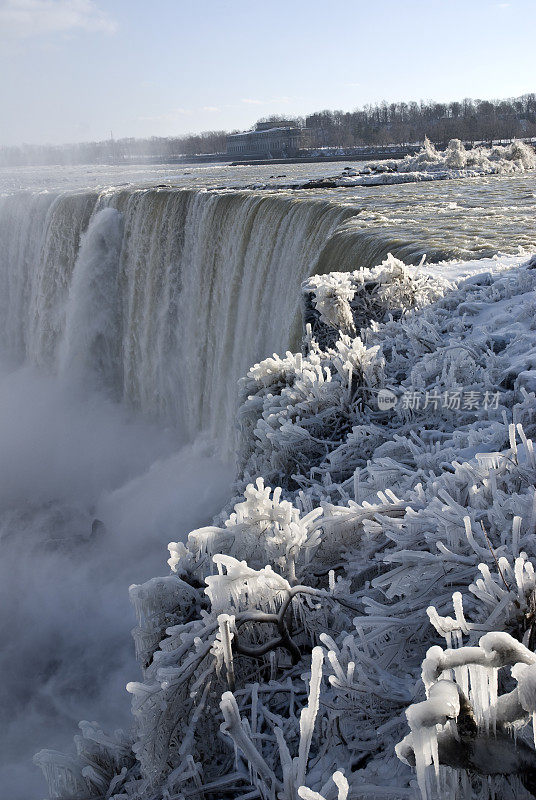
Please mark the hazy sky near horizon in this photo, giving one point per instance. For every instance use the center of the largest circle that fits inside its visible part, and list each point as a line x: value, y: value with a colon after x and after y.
x: 75, y: 70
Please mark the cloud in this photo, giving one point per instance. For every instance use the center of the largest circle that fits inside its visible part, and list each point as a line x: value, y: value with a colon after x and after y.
x: 21, y: 19
x: 250, y: 102
x: 210, y: 109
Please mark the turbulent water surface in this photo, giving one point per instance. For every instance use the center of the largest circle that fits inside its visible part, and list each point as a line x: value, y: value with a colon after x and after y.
x: 163, y: 297
x: 126, y: 316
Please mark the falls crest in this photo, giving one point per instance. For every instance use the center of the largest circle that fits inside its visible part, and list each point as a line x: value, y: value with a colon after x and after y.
x: 163, y: 297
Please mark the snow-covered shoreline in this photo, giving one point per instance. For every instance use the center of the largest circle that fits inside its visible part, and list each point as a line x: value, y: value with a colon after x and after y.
x: 367, y: 464
x: 431, y: 164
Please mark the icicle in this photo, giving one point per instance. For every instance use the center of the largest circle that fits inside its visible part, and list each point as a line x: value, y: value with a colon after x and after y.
x: 461, y: 675
x: 309, y: 794
x: 308, y: 714
x: 516, y: 527
x: 336, y: 666
x: 471, y: 539
x: 286, y: 763
x: 233, y: 728
x: 512, y: 437
x: 225, y: 622
x: 254, y: 705
x: 331, y: 578
x: 356, y: 487
x: 457, y: 602
x: 423, y: 757
x: 273, y: 665
x: 519, y: 572
x: 342, y: 785
x: 528, y: 447
x: 493, y: 681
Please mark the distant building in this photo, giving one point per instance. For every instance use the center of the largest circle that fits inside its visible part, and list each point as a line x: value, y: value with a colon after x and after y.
x: 266, y: 141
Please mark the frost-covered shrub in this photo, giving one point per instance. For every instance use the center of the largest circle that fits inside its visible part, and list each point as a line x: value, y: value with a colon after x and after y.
x: 288, y: 432
x: 327, y: 419
x: 331, y: 296
x: 280, y: 655
x: 263, y: 529
x: 467, y: 736
x: 287, y: 427
x: 465, y: 728
x: 346, y: 302
x: 428, y: 153
x: 104, y: 766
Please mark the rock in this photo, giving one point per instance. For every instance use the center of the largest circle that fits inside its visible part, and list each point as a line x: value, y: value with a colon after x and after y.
x: 320, y: 183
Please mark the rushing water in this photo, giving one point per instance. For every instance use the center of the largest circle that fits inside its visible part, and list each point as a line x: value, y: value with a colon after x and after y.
x: 126, y: 316
x: 164, y: 297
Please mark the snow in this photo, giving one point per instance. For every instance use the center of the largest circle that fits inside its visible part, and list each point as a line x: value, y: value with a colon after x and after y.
x: 434, y: 165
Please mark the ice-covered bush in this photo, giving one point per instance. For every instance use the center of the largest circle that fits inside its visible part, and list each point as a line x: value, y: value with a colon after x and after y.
x: 379, y: 473
x: 289, y: 427
x: 346, y: 302
x: 466, y: 736
x: 470, y: 725
x: 103, y: 766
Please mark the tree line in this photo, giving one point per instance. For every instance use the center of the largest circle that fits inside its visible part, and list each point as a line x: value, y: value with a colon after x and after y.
x: 374, y: 124
x: 393, y: 123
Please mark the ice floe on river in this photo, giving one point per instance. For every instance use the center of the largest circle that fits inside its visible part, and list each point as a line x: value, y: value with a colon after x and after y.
x: 430, y: 164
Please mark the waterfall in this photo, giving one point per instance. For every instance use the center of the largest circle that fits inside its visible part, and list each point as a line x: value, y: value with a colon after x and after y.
x: 90, y: 345
x: 160, y: 299
x: 163, y: 297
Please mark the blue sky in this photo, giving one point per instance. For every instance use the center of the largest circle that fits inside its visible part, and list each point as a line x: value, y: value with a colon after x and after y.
x: 74, y: 70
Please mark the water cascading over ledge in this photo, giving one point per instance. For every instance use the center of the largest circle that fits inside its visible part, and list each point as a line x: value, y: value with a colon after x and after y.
x: 164, y: 297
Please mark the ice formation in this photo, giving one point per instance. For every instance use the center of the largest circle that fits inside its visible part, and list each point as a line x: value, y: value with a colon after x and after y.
x: 465, y: 725
x: 430, y: 164
x: 279, y: 657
